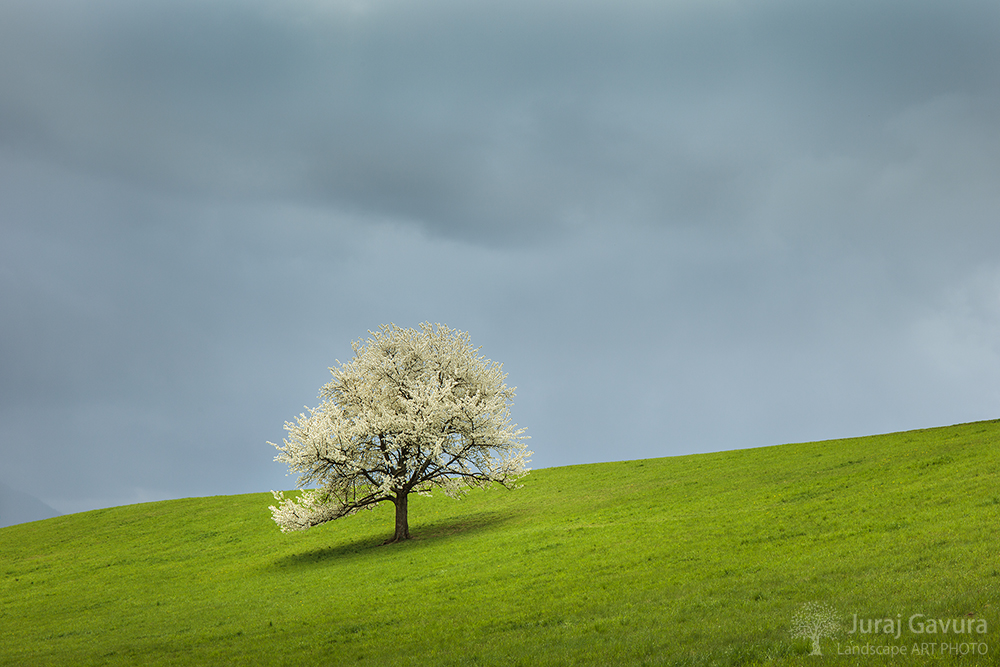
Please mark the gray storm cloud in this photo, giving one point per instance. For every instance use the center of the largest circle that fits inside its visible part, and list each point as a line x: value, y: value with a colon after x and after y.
x: 494, y: 121
x: 682, y: 226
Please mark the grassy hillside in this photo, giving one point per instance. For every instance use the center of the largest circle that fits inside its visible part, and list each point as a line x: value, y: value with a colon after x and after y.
x: 693, y: 560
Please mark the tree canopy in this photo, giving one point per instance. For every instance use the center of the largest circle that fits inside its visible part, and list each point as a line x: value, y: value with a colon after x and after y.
x: 415, y: 409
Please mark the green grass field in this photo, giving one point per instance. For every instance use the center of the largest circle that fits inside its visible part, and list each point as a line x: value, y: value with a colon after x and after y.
x: 692, y: 560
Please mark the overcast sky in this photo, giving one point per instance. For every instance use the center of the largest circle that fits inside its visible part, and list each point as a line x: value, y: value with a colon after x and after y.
x: 682, y: 226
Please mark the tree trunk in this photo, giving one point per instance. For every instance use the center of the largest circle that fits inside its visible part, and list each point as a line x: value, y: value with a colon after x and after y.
x: 402, y: 527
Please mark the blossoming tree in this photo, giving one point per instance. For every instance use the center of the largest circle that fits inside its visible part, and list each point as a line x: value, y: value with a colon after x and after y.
x: 414, y: 410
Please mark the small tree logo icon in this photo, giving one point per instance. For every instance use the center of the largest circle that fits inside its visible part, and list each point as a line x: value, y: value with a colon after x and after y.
x: 814, y: 621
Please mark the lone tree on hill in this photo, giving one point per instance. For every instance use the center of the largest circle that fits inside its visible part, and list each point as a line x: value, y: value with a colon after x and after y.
x: 412, y: 410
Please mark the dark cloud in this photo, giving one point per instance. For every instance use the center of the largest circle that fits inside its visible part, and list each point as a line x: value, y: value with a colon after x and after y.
x: 682, y: 226
x: 490, y: 122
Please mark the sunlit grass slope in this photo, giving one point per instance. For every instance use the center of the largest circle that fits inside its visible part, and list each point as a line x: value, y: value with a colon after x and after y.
x: 694, y: 560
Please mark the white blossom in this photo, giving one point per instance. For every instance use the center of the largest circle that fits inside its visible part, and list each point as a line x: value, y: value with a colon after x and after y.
x: 414, y: 410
